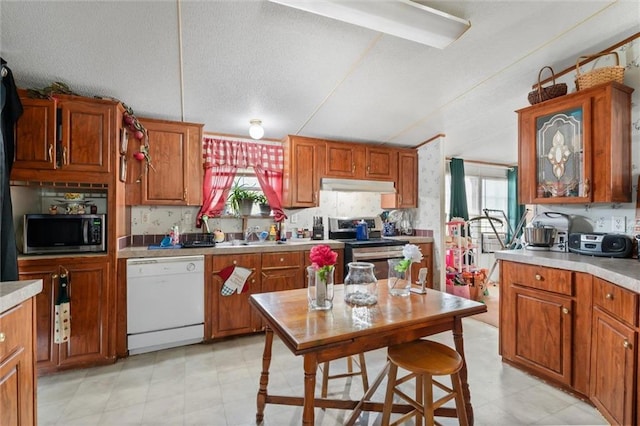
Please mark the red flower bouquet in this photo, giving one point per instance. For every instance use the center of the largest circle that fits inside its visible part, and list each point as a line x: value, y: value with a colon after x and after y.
x: 323, y: 259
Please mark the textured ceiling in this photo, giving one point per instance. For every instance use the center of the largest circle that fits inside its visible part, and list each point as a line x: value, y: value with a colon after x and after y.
x: 222, y: 63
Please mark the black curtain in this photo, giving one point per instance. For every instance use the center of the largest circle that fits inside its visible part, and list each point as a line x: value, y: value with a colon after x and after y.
x: 11, y: 110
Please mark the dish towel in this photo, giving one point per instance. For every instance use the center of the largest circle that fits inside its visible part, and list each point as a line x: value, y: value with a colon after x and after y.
x: 62, y: 325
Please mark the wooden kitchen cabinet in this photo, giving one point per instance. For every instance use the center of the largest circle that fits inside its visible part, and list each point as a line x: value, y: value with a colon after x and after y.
x: 175, y: 149
x: 427, y: 262
x: 69, y: 139
x: 232, y: 315
x: 282, y: 271
x: 536, y: 319
x: 576, y: 148
x: 406, y: 195
x: 304, y: 160
x: 614, y: 356
x: 91, y: 293
x: 17, y: 373
x: 360, y: 161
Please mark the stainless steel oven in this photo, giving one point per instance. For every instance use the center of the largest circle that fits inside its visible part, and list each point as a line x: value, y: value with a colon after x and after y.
x: 375, y: 250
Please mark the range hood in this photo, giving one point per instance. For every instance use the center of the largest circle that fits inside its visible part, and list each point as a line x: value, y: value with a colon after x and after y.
x: 357, y: 185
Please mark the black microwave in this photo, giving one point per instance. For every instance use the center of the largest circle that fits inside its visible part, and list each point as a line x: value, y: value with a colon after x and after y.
x: 65, y: 233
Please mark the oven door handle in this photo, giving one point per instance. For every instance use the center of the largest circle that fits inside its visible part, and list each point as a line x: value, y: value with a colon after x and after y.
x: 376, y: 255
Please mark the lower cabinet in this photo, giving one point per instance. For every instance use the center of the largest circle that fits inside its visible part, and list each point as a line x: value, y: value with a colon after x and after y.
x: 231, y: 314
x: 577, y: 330
x: 614, y: 354
x: 91, y: 300
x: 282, y: 271
x: 427, y: 262
x: 17, y: 376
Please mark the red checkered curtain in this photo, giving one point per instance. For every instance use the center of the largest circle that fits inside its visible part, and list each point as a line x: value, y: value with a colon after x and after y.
x: 222, y: 158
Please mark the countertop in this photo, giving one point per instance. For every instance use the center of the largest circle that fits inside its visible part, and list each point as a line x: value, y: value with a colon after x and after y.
x: 266, y: 247
x: 622, y: 272
x: 13, y: 293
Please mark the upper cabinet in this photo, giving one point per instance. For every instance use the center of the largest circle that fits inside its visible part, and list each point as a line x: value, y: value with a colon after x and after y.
x: 304, y: 160
x: 360, y: 161
x: 69, y: 138
x: 175, y: 149
x: 406, y: 195
x: 308, y: 160
x: 577, y: 148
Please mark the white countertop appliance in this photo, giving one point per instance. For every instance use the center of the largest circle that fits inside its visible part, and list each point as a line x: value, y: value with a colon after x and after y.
x: 165, y: 302
x: 553, y: 225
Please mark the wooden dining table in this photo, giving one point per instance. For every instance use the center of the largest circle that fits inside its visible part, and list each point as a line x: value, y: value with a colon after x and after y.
x: 344, y: 330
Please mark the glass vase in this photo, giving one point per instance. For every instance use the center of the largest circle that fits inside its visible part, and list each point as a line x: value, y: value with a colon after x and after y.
x: 360, y: 285
x: 320, y: 288
x: 399, y: 281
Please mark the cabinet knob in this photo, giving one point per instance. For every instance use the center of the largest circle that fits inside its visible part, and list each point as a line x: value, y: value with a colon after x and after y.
x: 2, y: 337
x: 608, y: 296
x: 235, y: 262
x: 626, y: 344
x: 565, y: 310
x: 253, y: 280
x: 538, y: 277
x: 282, y: 259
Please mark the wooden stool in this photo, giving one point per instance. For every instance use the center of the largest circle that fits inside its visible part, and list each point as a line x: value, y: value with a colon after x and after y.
x: 350, y: 361
x: 424, y: 359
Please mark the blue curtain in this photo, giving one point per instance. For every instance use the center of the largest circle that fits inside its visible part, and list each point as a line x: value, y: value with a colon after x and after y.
x: 514, y: 210
x: 458, y: 202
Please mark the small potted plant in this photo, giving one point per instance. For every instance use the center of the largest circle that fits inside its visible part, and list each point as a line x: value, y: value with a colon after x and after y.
x: 241, y: 200
x: 265, y: 208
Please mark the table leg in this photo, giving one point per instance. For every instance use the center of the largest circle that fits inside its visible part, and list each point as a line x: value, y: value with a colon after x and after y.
x: 264, y: 376
x: 459, y: 344
x: 310, y: 368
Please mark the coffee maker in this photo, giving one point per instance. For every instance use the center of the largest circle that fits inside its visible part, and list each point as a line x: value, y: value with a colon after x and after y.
x: 562, y: 224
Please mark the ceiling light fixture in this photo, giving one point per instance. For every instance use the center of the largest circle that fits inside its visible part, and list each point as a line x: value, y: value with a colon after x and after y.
x: 401, y: 18
x: 255, y: 129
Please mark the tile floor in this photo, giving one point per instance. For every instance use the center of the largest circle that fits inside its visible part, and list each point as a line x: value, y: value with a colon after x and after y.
x: 216, y: 384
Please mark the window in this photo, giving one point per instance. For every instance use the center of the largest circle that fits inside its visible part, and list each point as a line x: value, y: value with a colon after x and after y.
x: 247, y: 179
x: 484, y: 191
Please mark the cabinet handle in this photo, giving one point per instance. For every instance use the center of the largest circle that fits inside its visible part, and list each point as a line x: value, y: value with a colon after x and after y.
x: 51, y: 153
x: 368, y: 169
x: 353, y: 167
x: 64, y: 156
x: 184, y: 195
x: 538, y: 277
x: 608, y: 296
x: 565, y: 310
x: 626, y: 344
x: 2, y: 337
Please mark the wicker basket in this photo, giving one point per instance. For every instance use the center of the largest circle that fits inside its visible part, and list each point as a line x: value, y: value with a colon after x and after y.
x: 599, y: 75
x: 542, y: 94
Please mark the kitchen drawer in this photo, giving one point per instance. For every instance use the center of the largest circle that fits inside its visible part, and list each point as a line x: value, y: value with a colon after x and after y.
x: 542, y: 278
x: 282, y: 260
x: 249, y: 261
x: 14, y: 324
x: 620, y: 303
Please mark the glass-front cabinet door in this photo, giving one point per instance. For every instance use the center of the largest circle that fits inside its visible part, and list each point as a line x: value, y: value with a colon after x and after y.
x: 555, y: 153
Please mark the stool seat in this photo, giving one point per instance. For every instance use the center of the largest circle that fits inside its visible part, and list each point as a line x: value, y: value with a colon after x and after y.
x: 426, y: 357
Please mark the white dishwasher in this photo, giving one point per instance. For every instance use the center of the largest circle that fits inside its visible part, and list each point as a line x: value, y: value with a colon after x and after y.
x: 165, y: 302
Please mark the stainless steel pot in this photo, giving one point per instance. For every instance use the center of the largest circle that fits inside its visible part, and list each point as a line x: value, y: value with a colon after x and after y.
x: 540, y: 236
